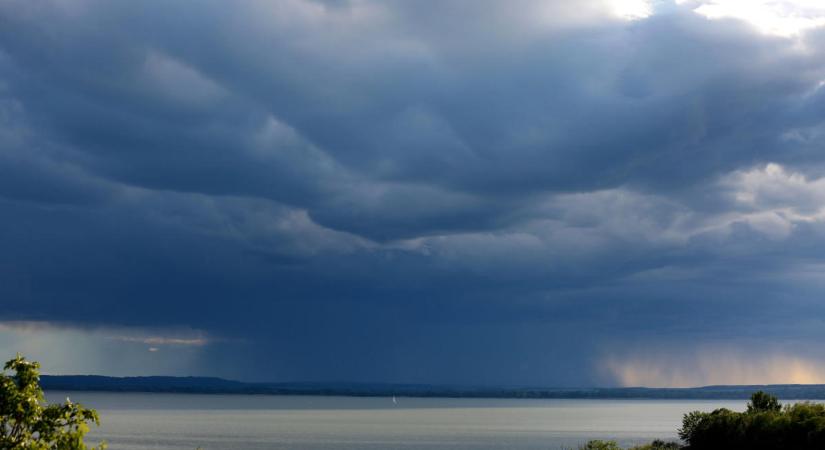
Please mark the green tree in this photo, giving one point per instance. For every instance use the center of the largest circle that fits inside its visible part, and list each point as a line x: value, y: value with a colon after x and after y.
x: 658, y: 445
x: 27, y: 423
x: 612, y: 445
x: 766, y: 425
x: 763, y: 402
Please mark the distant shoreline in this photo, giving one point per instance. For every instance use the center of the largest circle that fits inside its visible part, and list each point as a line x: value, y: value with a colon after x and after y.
x: 205, y: 385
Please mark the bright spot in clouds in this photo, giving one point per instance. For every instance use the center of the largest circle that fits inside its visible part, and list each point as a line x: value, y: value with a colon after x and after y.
x: 632, y: 9
x: 782, y: 18
x: 120, y: 351
x: 707, y: 368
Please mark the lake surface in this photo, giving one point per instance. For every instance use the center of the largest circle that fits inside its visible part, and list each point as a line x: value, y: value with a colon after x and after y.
x: 139, y: 421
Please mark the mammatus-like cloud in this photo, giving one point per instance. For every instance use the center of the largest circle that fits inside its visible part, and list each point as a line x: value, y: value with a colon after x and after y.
x: 357, y: 190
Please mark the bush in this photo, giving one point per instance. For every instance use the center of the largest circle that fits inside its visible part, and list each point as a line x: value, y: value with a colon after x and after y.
x: 26, y: 423
x: 600, y: 445
x: 612, y: 445
x: 765, y: 425
x: 763, y: 402
x: 658, y: 445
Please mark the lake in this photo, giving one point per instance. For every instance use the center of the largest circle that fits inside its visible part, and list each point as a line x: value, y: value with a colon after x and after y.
x: 141, y: 421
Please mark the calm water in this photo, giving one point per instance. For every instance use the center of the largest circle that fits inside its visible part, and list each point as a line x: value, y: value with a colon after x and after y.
x: 226, y: 422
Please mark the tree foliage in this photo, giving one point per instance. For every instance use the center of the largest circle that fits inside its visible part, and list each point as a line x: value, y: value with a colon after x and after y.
x: 612, y: 445
x: 658, y: 445
x: 26, y: 422
x: 763, y: 402
x: 765, y: 425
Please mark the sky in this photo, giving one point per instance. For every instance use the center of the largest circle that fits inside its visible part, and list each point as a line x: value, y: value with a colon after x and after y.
x: 543, y: 193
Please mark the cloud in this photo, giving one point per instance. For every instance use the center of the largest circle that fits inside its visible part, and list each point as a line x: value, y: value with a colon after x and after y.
x: 173, y: 336
x: 157, y: 340
x: 714, y: 367
x: 783, y: 18
x: 632, y: 9
x: 69, y: 348
x: 773, y: 187
x: 374, y: 190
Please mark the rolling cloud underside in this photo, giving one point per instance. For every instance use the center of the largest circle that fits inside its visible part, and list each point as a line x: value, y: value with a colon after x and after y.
x: 387, y: 191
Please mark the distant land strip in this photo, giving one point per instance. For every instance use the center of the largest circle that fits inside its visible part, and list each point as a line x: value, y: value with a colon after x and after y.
x: 206, y: 385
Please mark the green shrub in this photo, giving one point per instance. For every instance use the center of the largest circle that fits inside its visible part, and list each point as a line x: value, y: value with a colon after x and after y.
x: 26, y: 423
x: 600, y: 445
x: 765, y: 425
x: 612, y: 445
x: 658, y: 445
x: 763, y: 402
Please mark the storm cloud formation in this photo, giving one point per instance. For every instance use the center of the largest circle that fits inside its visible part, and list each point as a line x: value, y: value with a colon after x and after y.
x: 530, y: 192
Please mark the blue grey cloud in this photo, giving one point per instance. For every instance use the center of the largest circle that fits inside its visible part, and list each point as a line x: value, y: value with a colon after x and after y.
x: 438, y: 192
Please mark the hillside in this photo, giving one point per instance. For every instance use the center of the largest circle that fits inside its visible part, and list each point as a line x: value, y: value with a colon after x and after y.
x: 209, y: 385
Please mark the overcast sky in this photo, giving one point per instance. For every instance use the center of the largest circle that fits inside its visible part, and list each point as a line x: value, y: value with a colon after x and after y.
x: 556, y: 193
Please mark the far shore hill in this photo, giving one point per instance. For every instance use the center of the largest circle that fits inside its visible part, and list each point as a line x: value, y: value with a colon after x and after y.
x: 208, y: 385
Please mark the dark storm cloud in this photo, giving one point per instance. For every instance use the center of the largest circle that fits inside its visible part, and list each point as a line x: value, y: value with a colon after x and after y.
x: 372, y: 190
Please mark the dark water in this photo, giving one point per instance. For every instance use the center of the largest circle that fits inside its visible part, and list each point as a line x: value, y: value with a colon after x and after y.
x: 188, y: 421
